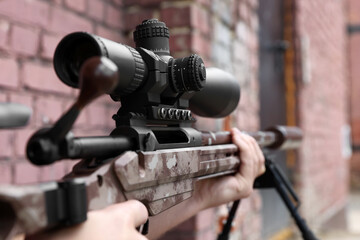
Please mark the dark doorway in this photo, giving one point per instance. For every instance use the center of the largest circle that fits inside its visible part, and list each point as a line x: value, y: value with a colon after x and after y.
x: 272, y: 102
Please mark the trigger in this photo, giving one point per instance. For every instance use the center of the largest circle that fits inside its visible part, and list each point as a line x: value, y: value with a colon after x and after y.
x: 144, y: 229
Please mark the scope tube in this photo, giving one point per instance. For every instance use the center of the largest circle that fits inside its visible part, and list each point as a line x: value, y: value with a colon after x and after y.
x: 75, y: 48
x: 219, y: 97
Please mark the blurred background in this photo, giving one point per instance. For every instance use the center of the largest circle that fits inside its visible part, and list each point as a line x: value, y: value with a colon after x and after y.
x: 296, y: 62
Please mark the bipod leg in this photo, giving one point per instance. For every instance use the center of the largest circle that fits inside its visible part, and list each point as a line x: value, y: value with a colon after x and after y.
x: 224, y: 235
x: 273, y: 177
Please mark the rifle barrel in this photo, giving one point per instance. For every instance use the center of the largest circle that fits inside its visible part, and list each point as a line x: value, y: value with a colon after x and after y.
x: 105, y: 146
x: 14, y: 115
x: 278, y: 137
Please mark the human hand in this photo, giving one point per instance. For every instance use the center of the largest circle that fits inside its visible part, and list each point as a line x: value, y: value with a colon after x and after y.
x: 214, y: 192
x: 117, y: 221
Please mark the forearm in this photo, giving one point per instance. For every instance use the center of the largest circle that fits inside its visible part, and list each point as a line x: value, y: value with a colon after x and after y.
x: 172, y: 217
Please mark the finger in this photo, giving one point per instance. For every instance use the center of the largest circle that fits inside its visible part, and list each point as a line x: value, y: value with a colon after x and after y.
x: 261, y: 159
x: 139, y: 236
x: 252, y: 145
x: 262, y: 170
x: 261, y: 164
x: 238, y: 139
x: 138, y: 211
x: 246, y: 164
x: 133, y: 209
x: 253, y: 154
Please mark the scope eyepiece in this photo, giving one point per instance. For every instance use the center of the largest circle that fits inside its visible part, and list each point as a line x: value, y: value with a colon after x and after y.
x: 71, y: 53
x: 75, y: 48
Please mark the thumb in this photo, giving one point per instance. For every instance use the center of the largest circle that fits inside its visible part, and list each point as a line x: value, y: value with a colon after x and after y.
x: 134, y: 209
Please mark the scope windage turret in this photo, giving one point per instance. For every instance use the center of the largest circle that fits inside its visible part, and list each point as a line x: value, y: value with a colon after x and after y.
x: 148, y: 73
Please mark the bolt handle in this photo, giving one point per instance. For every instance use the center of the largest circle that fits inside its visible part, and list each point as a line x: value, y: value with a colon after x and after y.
x: 98, y: 75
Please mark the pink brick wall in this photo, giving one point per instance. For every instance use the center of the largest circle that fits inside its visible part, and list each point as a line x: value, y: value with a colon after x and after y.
x: 354, y: 60
x: 29, y: 33
x: 224, y: 33
x: 323, y: 108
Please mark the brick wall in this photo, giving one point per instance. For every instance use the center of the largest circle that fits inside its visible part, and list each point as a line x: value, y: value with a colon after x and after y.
x: 323, y: 97
x: 224, y: 33
x: 29, y: 33
x: 354, y: 60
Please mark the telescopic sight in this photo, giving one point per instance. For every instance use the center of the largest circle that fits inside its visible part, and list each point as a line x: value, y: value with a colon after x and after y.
x: 71, y: 53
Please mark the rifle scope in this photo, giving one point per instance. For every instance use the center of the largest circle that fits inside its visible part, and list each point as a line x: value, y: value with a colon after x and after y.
x: 150, y: 68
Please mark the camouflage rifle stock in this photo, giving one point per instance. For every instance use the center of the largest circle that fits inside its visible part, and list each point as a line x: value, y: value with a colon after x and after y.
x: 154, y: 154
x: 160, y: 179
